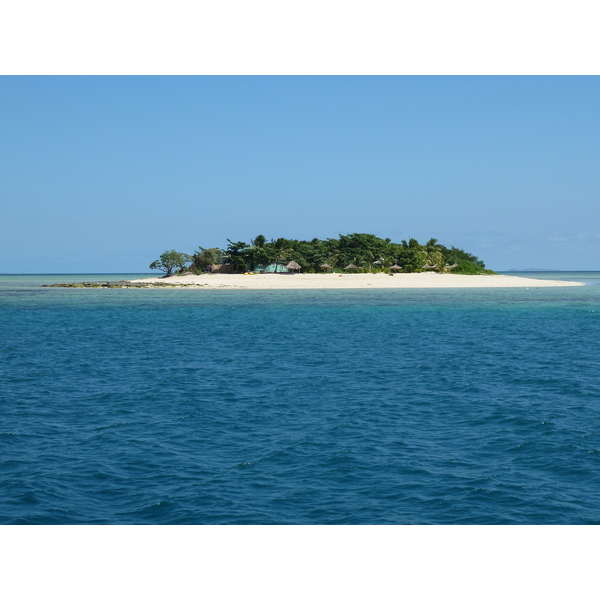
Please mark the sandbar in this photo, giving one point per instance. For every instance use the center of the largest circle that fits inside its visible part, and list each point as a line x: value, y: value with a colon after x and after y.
x: 333, y: 281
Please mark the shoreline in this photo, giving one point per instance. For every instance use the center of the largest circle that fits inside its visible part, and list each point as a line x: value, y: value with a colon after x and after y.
x: 323, y: 281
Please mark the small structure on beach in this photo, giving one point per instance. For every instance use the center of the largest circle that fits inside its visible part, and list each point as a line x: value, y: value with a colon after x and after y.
x: 351, y: 266
x: 270, y: 268
x: 395, y: 268
x: 293, y: 266
x: 220, y: 268
x: 324, y: 266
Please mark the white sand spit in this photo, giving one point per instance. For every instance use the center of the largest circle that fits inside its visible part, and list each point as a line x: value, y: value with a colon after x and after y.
x: 333, y: 281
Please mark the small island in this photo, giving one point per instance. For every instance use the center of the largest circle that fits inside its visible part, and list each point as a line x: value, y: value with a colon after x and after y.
x: 353, y: 253
x: 354, y: 261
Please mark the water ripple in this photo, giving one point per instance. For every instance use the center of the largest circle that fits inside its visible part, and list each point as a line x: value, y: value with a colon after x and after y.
x: 426, y: 407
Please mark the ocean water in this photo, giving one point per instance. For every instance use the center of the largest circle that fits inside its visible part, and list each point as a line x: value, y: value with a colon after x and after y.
x: 161, y: 406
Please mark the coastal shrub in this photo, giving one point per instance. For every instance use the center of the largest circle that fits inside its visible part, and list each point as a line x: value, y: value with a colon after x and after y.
x: 466, y: 267
x: 456, y: 255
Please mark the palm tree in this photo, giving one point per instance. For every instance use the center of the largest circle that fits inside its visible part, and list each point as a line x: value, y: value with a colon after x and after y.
x: 281, y: 247
x: 412, y: 255
x: 383, y: 262
x: 333, y: 259
x: 435, y: 258
x: 259, y: 241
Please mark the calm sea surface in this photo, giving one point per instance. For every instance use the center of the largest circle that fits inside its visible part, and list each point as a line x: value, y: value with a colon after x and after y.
x: 299, y: 407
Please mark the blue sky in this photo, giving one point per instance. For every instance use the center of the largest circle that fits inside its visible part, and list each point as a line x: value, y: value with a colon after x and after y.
x: 102, y: 174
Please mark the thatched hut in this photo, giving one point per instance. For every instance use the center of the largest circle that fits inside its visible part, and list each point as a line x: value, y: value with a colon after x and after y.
x: 293, y: 266
x: 351, y: 266
x: 324, y: 266
x: 395, y: 268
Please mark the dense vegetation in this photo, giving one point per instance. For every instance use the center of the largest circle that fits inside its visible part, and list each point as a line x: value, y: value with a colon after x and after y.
x: 356, y: 252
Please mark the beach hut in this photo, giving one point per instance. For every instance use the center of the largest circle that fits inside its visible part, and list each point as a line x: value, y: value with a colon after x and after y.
x: 325, y: 266
x: 428, y: 267
x: 351, y: 266
x: 395, y: 268
x: 293, y: 266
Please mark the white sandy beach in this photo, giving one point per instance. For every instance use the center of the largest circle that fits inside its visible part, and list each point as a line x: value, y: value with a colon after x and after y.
x: 326, y: 281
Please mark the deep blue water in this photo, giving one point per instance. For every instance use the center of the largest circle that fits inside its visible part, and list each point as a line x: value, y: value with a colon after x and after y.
x: 180, y: 406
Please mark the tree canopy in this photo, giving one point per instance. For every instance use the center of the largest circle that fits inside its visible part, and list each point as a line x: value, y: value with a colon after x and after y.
x: 170, y: 260
x: 203, y: 257
x: 367, y: 252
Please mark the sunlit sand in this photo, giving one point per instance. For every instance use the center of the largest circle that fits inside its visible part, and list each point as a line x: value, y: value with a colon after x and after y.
x: 323, y: 281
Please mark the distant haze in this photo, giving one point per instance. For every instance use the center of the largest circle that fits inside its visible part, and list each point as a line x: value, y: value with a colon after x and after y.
x: 534, y: 270
x: 103, y: 174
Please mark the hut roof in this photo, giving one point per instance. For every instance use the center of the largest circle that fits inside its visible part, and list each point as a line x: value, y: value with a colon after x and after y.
x: 428, y: 267
x: 325, y: 266
x: 293, y: 266
x: 396, y: 268
x: 351, y: 266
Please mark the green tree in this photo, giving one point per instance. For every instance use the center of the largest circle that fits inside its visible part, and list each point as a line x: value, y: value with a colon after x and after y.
x: 456, y: 255
x: 234, y: 254
x: 170, y: 260
x: 256, y: 254
x: 435, y: 257
x: 253, y: 256
x: 281, y: 248
x: 411, y: 256
x: 259, y: 241
x: 362, y: 249
x: 204, y: 257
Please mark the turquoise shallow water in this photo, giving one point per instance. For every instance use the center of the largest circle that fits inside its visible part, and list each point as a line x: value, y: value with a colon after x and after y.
x: 213, y: 406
